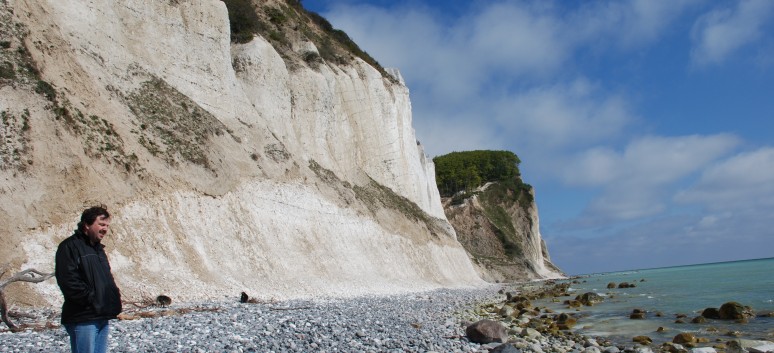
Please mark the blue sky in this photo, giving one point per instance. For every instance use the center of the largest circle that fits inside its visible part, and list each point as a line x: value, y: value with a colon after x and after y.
x: 646, y: 127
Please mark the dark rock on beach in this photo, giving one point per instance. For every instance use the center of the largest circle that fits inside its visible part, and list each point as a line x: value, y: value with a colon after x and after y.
x: 486, y: 331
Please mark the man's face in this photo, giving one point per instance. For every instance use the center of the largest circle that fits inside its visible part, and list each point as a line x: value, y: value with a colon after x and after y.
x: 97, y: 230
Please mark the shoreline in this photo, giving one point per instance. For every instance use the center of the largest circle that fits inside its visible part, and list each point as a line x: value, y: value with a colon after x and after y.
x: 428, y: 321
x: 558, y: 311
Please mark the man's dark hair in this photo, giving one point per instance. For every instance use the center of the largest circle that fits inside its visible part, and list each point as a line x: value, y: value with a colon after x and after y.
x: 91, y: 214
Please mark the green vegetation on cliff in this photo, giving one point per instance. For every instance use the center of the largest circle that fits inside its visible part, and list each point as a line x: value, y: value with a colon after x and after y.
x: 466, y: 171
x: 505, y: 203
x: 283, y: 22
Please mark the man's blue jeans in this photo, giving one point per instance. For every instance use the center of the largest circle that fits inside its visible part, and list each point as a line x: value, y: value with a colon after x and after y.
x: 89, y: 336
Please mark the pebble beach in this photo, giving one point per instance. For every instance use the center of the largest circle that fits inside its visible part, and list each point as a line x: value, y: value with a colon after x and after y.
x: 434, y: 321
x: 421, y: 322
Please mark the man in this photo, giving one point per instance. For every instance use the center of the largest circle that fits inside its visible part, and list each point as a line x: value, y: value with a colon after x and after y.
x: 91, y: 296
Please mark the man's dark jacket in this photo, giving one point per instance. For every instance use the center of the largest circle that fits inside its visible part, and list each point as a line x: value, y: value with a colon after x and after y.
x: 83, y: 274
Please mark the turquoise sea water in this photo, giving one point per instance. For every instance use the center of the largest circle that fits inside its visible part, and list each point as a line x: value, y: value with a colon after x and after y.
x: 677, y: 290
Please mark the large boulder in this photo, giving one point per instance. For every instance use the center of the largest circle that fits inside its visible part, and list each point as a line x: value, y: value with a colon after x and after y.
x: 735, y: 311
x: 684, y: 338
x: 711, y: 313
x: 486, y: 331
x: 589, y: 298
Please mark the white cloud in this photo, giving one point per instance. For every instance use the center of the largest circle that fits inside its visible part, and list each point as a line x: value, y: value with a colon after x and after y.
x: 411, y: 40
x: 514, y: 39
x: 453, y: 60
x: 743, y: 181
x: 631, y: 24
x: 636, y: 182
x: 647, y: 161
x: 721, y: 32
x: 557, y: 116
x: 442, y: 135
x: 493, y: 64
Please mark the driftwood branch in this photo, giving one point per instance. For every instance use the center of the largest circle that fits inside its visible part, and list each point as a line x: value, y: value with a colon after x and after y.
x: 29, y: 275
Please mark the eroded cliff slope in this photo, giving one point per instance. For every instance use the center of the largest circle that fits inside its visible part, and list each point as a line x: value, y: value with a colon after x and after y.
x: 277, y: 164
x: 494, y: 214
x: 500, y: 230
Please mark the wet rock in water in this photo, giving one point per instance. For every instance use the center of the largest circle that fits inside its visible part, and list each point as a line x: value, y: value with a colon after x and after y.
x: 626, y: 285
x: 643, y: 340
x: 672, y: 347
x: 565, y: 321
x: 684, y: 338
x: 765, y: 314
x: 589, y: 298
x: 486, y: 331
x: 637, y: 314
x: 661, y: 329
x: 611, y: 285
x: 699, y: 320
x: 735, y: 311
x: 711, y: 313
x: 573, y: 303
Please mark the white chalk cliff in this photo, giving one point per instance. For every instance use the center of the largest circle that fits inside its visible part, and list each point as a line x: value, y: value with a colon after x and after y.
x: 228, y: 167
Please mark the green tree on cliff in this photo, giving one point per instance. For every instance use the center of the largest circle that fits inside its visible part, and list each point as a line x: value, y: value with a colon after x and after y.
x: 465, y: 171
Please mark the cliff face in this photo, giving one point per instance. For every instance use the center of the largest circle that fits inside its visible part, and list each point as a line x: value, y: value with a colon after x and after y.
x: 228, y: 167
x: 499, y: 227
